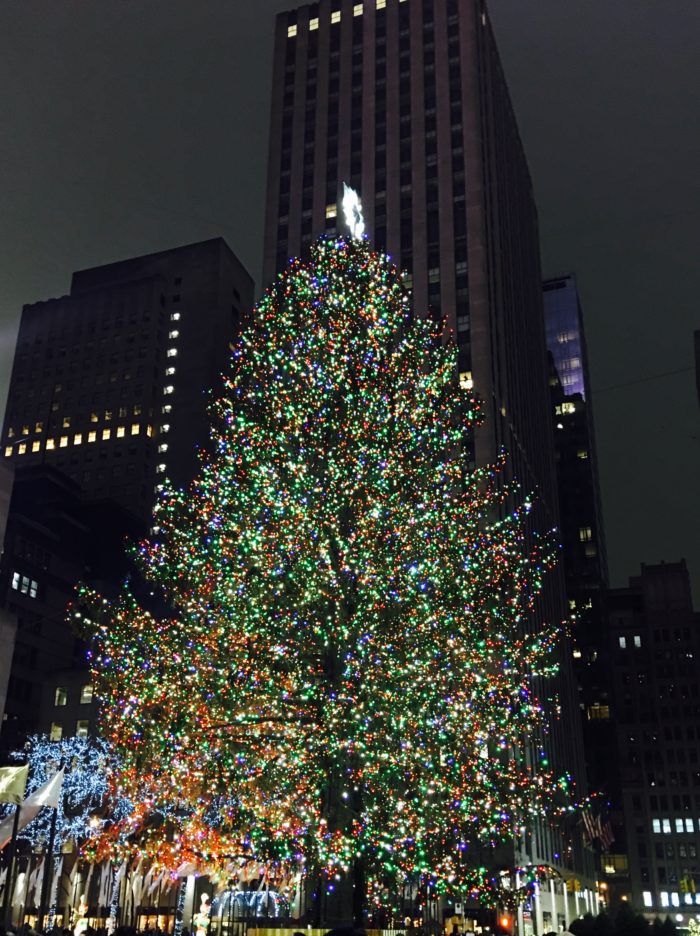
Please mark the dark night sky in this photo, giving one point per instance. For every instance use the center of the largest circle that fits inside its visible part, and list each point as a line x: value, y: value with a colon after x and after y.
x: 130, y: 127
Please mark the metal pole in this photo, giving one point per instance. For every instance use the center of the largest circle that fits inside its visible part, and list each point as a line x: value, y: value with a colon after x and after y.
x: 48, y: 871
x: 9, y: 880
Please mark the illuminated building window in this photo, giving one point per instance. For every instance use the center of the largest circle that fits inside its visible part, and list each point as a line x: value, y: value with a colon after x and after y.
x: 666, y: 826
x: 168, y: 390
x: 66, y: 422
x: 675, y: 899
x: 165, y: 428
x: 173, y: 334
x: 169, y: 371
x: 61, y: 696
x: 335, y: 16
x: 637, y: 640
x: 121, y: 432
x: 172, y: 352
x: 331, y: 211
x: 87, y: 694
x: 466, y: 381
x: 679, y: 825
x: 50, y: 444
x: 25, y: 430
x: 78, y: 438
x: 82, y: 728
x: 313, y: 23
x: 582, y: 454
x: 623, y: 643
x: 163, y: 447
x: 25, y: 585
x: 591, y: 551
x: 381, y: 4
x: 175, y: 317
x: 568, y: 408
x: 56, y: 732
x: 598, y: 712
x: 21, y: 449
x: 8, y: 451
x: 39, y: 427
x: 36, y: 446
x: 149, y: 431
x: 108, y: 415
x: 160, y: 468
x: 137, y: 409
x: 166, y: 409
x: 106, y: 434
x: 577, y: 654
x: 646, y: 897
x: 689, y: 825
x: 291, y: 31
x: 92, y: 436
x: 94, y: 417
x: 63, y: 442
x: 585, y: 534
x: 135, y: 428
x: 122, y: 412
x: 357, y: 9
x: 10, y: 433
x: 656, y: 826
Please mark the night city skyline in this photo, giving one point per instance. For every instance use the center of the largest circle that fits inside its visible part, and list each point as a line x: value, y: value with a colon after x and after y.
x: 135, y: 131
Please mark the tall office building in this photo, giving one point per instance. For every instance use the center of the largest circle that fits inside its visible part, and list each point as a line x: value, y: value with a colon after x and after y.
x: 110, y: 383
x: 584, y: 559
x: 655, y: 644
x: 406, y: 101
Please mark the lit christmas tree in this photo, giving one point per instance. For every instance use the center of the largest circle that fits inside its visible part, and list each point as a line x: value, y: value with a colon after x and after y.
x: 345, y: 684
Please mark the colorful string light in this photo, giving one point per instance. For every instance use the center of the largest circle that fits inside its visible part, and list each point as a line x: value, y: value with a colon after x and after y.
x: 348, y: 671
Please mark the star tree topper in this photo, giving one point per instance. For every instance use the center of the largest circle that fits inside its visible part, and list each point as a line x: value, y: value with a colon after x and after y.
x: 352, y: 209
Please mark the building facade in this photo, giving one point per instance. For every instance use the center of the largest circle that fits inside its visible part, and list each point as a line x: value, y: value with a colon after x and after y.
x: 584, y: 559
x: 110, y: 383
x: 406, y: 101
x: 55, y: 539
x: 655, y: 645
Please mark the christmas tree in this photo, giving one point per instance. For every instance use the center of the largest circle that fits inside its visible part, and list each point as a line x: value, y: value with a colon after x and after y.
x: 345, y: 683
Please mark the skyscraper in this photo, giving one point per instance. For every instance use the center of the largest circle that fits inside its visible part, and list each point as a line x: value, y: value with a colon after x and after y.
x: 655, y: 646
x: 406, y: 100
x: 110, y: 383
x: 584, y: 555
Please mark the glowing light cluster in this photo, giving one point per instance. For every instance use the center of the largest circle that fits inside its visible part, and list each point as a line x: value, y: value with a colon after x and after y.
x: 348, y: 671
x: 83, y: 802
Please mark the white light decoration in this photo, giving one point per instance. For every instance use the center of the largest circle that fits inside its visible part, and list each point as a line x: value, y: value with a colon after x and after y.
x: 352, y: 209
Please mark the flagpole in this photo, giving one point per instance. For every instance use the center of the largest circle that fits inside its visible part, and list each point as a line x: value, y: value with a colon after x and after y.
x: 9, y: 880
x: 48, y: 871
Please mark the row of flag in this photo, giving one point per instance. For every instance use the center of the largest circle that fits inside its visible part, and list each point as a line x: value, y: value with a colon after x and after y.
x: 13, y: 782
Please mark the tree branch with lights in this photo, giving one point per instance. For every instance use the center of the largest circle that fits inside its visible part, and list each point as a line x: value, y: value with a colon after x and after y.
x: 347, y: 674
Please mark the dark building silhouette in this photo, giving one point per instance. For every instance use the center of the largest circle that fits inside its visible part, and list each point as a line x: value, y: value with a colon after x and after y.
x: 109, y: 384
x: 8, y: 624
x: 56, y: 537
x: 655, y: 646
x: 406, y: 101
x: 697, y: 361
x: 585, y: 565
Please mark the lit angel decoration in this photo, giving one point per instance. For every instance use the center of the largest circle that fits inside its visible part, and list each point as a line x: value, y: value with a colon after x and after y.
x: 352, y: 209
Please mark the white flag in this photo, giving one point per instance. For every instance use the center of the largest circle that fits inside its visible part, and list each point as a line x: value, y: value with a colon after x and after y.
x: 13, y: 780
x: 46, y: 795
